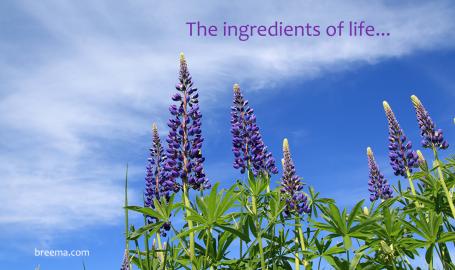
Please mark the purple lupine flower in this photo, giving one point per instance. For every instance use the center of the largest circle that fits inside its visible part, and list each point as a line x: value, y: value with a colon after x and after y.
x: 378, y: 186
x: 402, y: 157
x: 291, y: 185
x: 249, y: 149
x: 154, y: 188
x: 431, y: 136
x: 183, y: 155
x: 126, y: 261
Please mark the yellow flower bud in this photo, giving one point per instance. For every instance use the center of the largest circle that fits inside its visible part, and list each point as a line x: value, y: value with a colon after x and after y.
x: 420, y: 155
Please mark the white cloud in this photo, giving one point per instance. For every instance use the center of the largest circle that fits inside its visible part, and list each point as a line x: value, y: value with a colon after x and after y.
x: 90, y: 74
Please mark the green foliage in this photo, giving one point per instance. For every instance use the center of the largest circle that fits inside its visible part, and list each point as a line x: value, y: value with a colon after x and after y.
x: 244, y: 227
x: 387, y: 236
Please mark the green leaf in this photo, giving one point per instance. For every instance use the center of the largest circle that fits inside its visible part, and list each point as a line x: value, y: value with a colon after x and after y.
x: 355, y: 261
x: 146, y: 211
x: 446, y: 237
x: 429, y: 254
x: 234, y: 231
x: 336, y: 217
x: 354, y: 213
x: 151, y: 228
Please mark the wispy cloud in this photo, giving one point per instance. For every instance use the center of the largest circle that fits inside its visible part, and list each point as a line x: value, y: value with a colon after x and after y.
x: 82, y: 77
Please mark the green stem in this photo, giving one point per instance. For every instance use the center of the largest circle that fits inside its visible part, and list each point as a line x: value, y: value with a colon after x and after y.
x: 443, y: 183
x: 411, y: 184
x: 160, y: 247
x: 127, y: 245
x: 147, y: 248
x: 300, y: 232
x: 261, y: 251
x: 207, y: 246
x: 241, y: 241
x: 297, y: 255
x: 138, y: 254
x: 259, y: 237
x: 190, y: 222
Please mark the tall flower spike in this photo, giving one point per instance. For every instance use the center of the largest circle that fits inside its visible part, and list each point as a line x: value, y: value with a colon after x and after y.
x: 291, y: 185
x: 431, y: 137
x: 126, y: 261
x: 378, y: 186
x: 154, y: 188
x: 248, y: 147
x: 184, y: 156
x: 401, y: 156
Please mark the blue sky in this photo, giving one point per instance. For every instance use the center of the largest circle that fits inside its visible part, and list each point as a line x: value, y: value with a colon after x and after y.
x: 81, y: 83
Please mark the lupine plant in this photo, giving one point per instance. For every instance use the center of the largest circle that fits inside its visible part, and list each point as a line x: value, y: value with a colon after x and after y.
x: 254, y: 224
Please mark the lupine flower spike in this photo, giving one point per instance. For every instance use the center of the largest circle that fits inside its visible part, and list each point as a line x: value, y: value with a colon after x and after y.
x: 126, y: 261
x: 378, y: 186
x: 431, y: 136
x: 402, y: 158
x: 291, y: 185
x: 154, y: 188
x: 183, y: 155
x: 432, y: 139
x: 422, y: 161
x: 248, y: 147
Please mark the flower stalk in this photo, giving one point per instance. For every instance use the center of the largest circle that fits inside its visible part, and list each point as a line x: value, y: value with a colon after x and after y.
x: 190, y: 222
x: 184, y: 158
x: 443, y: 183
x: 402, y: 157
x: 433, y: 139
x: 258, y: 226
x: 296, y: 200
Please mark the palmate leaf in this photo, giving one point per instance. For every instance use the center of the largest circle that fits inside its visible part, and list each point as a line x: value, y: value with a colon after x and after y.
x: 186, y: 232
x: 146, y: 211
x: 446, y: 237
x: 322, y: 248
x: 429, y: 228
x: 258, y: 184
x: 250, y: 224
x: 421, y: 199
x: 315, y: 202
x: 214, y: 207
x: 162, y: 209
x: 354, y: 212
x: 225, y: 239
x: 151, y: 229
x: 344, y: 225
x: 276, y: 205
x: 234, y: 231
x: 337, y: 263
